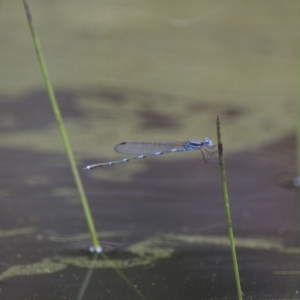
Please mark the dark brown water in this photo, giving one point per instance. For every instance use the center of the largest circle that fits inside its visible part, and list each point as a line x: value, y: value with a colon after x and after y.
x: 168, y: 222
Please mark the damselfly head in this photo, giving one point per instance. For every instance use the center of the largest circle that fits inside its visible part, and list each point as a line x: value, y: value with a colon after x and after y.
x: 207, y: 142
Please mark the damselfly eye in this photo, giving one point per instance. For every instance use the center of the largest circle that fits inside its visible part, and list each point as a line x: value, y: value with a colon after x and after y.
x: 207, y: 142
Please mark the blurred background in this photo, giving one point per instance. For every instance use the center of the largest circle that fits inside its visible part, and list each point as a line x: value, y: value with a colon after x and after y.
x: 150, y: 71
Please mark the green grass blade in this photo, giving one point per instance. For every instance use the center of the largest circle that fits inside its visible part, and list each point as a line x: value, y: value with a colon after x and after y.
x: 70, y: 155
x: 227, y: 210
x: 298, y: 121
x: 63, y: 133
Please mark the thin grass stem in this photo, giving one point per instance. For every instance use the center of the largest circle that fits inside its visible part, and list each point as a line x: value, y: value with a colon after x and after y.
x: 298, y: 121
x: 227, y: 211
x: 87, y: 213
x: 63, y: 133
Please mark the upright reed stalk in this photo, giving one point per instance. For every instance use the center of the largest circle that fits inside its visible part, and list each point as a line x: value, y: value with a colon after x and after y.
x: 227, y: 211
x: 66, y: 143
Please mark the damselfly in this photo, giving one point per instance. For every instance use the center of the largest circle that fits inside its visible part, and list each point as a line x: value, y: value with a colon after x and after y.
x: 144, y: 150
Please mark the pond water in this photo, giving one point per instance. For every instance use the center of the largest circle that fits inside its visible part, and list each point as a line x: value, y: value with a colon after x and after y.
x: 150, y: 72
x: 168, y: 222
